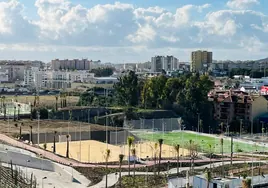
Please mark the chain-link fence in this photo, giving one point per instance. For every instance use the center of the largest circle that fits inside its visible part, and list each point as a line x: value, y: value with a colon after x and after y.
x: 164, y: 125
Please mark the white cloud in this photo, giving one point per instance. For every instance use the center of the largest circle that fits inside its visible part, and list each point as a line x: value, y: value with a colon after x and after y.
x: 242, y: 4
x: 144, y: 34
x: 77, y: 29
x: 171, y: 39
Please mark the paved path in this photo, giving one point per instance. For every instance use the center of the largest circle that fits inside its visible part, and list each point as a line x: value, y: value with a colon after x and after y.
x: 113, y: 178
x: 62, y: 160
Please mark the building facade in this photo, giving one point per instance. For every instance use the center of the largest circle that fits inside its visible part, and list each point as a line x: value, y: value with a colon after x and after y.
x: 75, y: 64
x: 168, y: 63
x: 55, y: 79
x: 230, y: 106
x: 200, y: 61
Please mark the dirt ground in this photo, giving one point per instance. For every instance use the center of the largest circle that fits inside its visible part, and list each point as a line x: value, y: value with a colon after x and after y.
x: 46, y: 126
x: 93, y: 151
x: 47, y: 100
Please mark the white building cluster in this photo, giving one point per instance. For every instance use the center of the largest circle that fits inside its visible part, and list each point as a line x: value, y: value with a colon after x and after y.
x: 168, y: 63
x: 55, y: 79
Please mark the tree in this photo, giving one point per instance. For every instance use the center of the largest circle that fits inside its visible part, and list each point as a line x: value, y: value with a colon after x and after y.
x: 14, y: 117
x: 222, y: 167
x: 3, y: 99
x: 121, y: 157
x: 20, y: 130
x: 127, y: 89
x: 210, y: 154
x: 54, y: 142
x: 67, y: 150
x: 193, y: 151
x: 31, y: 110
x: 31, y: 132
x: 153, y: 92
x: 177, y: 150
x: 57, y: 98
x: 19, y: 106
x: 192, y: 99
x: 208, y: 177
x: 160, y: 142
x: 246, y: 183
x: 107, y: 156
x: 103, y: 72
x: 133, y: 151
x: 130, y: 142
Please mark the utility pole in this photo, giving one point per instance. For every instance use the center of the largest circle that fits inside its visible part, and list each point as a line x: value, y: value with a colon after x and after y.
x: 198, y: 122
x: 240, y: 128
x: 38, y: 135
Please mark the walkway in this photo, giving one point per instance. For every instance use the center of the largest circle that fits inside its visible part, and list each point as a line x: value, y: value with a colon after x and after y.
x: 113, y: 178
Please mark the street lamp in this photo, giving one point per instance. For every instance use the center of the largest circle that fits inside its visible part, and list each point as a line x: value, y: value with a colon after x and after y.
x: 38, y: 135
x: 71, y: 165
x: 43, y: 181
x: 27, y: 161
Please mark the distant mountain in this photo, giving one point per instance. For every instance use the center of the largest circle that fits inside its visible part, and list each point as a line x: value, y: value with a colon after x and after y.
x: 262, y: 60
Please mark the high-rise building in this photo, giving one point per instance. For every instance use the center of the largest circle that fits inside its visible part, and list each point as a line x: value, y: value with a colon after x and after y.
x: 75, y: 64
x: 168, y: 63
x: 200, y: 60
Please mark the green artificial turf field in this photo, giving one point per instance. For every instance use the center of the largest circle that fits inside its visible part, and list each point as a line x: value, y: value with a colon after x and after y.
x: 174, y: 138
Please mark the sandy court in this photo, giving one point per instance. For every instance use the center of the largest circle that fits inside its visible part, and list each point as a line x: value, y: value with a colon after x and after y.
x: 93, y: 151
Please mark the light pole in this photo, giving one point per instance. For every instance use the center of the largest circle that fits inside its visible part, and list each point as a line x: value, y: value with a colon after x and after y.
x: 71, y: 165
x: 240, y: 128
x: 38, y: 135
x: 43, y: 181
x: 27, y: 161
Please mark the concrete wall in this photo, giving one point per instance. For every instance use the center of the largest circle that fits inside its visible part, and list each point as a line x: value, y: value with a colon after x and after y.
x: 21, y: 160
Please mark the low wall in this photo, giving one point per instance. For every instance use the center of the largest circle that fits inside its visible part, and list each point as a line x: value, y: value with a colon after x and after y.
x: 21, y: 160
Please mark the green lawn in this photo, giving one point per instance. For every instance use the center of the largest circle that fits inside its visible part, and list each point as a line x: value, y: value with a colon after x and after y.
x: 203, y: 141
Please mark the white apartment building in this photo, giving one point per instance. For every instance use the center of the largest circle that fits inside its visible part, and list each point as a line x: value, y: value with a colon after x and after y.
x: 29, y: 75
x: 168, y: 63
x: 55, y: 79
x: 3, y: 75
x: 66, y: 64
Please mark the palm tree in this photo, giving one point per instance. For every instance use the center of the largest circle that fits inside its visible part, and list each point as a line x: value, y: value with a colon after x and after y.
x: 57, y: 98
x: 5, y: 111
x: 14, y: 118
x: 130, y: 142
x: 208, y: 177
x: 19, y: 106
x: 4, y: 107
x: 210, y: 154
x: 221, y: 141
x: 177, y: 150
x: 121, y: 157
x: 67, y: 150
x: 54, y: 142
x: 107, y: 156
x: 160, y: 142
x: 31, y: 112
x: 22, y: 124
x: 31, y: 133
x: 133, y: 151
x: 155, y: 151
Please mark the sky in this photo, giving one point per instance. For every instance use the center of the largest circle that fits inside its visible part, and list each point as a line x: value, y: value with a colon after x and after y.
x: 132, y: 31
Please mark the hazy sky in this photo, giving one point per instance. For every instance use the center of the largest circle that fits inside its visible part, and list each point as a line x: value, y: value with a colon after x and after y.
x: 132, y: 30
